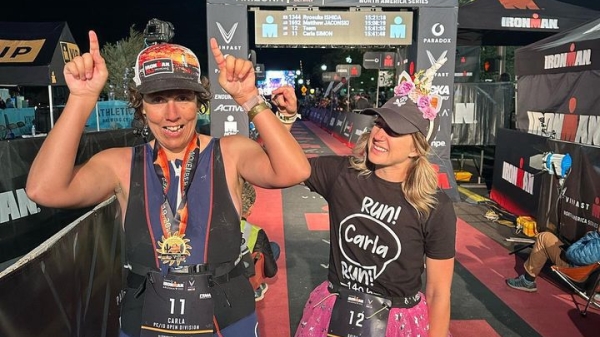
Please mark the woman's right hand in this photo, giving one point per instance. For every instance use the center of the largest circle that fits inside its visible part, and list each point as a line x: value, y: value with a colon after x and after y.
x: 86, y: 74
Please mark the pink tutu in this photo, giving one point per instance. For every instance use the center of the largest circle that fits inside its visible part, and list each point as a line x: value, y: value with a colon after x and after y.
x: 402, y: 322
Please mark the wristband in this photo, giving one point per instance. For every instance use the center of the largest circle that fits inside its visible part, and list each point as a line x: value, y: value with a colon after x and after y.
x: 287, y: 119
x: 258, y: 108
x: 252, y: 102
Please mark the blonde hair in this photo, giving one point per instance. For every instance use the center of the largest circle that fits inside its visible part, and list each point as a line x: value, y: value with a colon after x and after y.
x: 420, y: 185
x: 248, y: 198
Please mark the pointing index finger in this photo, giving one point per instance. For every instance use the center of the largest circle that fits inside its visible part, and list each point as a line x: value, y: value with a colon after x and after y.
x: 94, y: 45
x: 217, y: 54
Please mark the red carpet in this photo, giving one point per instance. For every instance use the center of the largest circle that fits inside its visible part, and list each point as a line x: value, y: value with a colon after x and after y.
x: 273, y: 310
x: 335, y: 145
x: 474, y: 327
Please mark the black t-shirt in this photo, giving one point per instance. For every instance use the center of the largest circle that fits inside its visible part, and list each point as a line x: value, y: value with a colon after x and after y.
x: 378, y: 243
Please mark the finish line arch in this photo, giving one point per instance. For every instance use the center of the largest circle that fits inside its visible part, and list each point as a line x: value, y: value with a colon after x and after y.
x: 434, y: 30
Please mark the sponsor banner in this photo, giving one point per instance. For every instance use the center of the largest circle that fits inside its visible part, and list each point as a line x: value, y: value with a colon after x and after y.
x: 467, y: 64
x: 573, y: 57
x: 524, y: 190
x: 437, y: 40
x: 339, y: 122
x: 229, y: 25
x: 539, y: 16
x: 516, y: 185
x: 348, y: 127
x: 579, y: 210
x: 566, y: 112
x: 572, y: 51
x: 324, y: 122
x: 23, y: 223
x: 331, y: 123
x: 70, y: 284
x: 110, y: 115
x: 360, y: 124
x: 480, y: 109
x: 16, y: 121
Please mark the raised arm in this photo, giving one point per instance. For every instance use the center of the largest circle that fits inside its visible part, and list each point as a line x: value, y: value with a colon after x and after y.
x: 53, y: 180
x: 282, y: 163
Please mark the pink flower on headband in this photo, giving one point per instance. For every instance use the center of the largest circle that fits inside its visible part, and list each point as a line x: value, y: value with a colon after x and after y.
x: 418, y: 89
x: 404, y: 88
x: 424, y: 104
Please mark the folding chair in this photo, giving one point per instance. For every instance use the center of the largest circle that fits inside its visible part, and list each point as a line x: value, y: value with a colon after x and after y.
x: 584, y: 280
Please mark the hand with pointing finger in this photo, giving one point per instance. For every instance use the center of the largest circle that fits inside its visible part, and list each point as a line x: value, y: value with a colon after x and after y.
x: 86, y: 74
x: 236, y: 75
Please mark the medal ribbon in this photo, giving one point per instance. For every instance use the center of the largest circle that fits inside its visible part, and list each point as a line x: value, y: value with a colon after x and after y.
x: 178, y: 223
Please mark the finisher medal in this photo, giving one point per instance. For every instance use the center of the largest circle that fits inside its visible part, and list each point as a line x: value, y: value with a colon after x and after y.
x: 174, y: 249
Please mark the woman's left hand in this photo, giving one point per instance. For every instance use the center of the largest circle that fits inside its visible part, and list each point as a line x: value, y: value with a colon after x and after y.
x: 236, y: 75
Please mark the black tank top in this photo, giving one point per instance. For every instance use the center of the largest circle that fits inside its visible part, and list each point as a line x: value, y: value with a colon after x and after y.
x: 213, y: 229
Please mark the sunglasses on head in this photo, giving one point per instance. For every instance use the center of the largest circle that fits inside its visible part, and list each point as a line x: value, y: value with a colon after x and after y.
x: 380, y: 123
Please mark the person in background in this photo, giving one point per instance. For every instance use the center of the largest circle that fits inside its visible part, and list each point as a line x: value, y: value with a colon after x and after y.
x: 2, y: 104
x: 548, y: 246
x: 389, y: 223
x: 167, y: 242
x: 504, y: 77
x: 256, y: 243
x: 9, y: 103
x: 362, y: 102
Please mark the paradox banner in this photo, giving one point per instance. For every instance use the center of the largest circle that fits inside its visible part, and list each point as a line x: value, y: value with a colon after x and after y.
x: 437, y: 40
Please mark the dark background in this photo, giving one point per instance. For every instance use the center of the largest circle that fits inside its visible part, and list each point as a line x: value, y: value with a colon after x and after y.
x: 112, y: 19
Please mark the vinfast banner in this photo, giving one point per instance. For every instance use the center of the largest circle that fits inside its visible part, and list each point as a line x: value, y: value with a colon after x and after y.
x: 579, y: 210
x: 229, y: 26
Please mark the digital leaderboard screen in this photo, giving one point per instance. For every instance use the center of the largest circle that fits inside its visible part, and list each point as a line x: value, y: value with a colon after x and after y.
x: 327, y: 28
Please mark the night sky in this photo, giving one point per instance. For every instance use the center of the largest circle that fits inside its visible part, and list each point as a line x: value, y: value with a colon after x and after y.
x: 112, y: 20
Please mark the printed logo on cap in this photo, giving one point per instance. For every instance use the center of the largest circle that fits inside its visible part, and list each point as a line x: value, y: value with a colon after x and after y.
x: 168, y: 60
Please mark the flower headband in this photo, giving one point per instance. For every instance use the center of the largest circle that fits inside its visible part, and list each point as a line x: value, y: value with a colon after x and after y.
x: 418, y: 89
